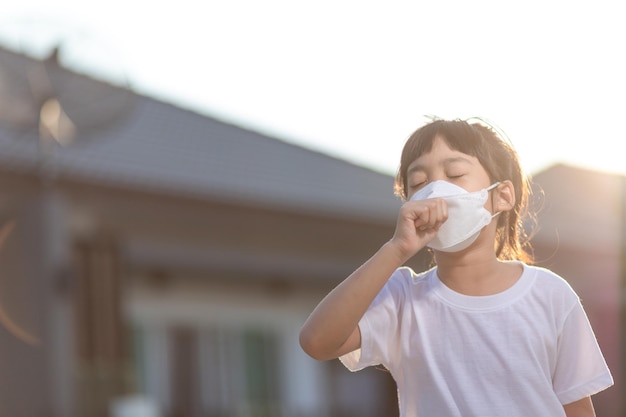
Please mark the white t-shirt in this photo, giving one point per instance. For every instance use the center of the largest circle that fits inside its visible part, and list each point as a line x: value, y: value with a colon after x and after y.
x: 523, y: 352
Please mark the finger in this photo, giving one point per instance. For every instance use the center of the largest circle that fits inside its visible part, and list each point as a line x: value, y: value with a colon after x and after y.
x: 440, y: 213
x: 424, y: 217
x: 443, y: 211
x: 436, y: 213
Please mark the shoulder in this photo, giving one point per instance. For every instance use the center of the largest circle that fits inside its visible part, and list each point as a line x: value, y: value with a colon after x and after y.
x: 547, y: 277
x: 406, y: 283
x: 551, y: 285
x: 407, y: 277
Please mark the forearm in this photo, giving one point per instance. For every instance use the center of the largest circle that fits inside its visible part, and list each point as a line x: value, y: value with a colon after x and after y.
x: 336, y: 317
x: 580, y: 408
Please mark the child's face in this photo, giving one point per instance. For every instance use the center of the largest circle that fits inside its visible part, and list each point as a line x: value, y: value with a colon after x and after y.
x: 443, y: 163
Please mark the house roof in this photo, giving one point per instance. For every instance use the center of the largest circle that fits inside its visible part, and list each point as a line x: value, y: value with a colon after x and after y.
x: 159, y: 147
x: 580, y: 208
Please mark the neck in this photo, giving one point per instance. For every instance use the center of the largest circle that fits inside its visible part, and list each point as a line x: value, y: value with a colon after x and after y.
x: 477, y: 273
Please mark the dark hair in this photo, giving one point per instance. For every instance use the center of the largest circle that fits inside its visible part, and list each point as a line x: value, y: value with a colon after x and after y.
x: 499, y: 160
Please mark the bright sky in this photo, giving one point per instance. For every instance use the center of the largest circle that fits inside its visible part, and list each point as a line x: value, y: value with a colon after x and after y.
x: 355, y: 78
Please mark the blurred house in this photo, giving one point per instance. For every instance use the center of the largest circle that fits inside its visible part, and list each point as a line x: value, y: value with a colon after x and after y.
x: 581, y: 235
x: 170, y: 257
x: 164, y: 261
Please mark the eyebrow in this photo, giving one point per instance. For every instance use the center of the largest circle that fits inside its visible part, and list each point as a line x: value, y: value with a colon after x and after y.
x: 446, y: 161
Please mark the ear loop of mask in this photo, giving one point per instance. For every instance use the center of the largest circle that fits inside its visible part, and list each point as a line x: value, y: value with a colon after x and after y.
x: 491, y: 187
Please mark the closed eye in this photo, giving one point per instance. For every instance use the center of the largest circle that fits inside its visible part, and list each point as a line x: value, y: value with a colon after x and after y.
x: 417, y: 180
x: 417, y: 185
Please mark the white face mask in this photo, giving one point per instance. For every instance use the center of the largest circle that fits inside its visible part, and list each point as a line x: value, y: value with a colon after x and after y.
x: 467, y: 215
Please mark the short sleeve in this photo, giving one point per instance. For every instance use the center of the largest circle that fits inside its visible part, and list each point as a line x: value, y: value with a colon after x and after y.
x: 580, y: 370
x: 379, y: 325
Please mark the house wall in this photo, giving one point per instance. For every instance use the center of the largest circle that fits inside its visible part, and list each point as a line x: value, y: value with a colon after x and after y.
x: 579, y: 236
x: 214, y: 297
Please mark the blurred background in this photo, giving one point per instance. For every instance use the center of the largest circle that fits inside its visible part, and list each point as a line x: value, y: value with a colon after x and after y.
x: 180, y: 184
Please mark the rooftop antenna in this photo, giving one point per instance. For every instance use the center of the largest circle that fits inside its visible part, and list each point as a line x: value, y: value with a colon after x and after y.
x: 61, y: 98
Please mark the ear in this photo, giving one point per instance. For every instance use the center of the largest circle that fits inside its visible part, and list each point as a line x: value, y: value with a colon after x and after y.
x: 504, y: 196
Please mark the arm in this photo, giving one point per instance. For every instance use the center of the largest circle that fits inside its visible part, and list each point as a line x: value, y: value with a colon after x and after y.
x: 580, y: 408
x: 332, y: 328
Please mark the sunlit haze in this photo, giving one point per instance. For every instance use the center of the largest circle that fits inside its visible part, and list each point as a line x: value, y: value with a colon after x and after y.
x: 353, y: 79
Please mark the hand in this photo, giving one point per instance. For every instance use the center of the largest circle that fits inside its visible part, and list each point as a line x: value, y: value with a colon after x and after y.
x: 417, y: 224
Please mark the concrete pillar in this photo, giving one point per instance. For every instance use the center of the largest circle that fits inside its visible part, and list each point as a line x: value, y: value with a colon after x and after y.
x: 35, y: 333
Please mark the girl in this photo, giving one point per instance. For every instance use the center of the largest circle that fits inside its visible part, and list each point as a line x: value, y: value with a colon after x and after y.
x: 483, y: 333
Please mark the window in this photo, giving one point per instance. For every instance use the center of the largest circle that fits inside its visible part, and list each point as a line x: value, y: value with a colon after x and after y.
x: 212, y: 371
